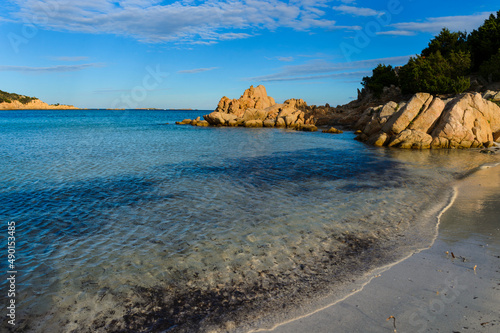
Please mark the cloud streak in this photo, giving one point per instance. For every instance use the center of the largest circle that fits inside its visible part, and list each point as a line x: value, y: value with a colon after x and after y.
x: 70, y: 59
x: 320, y: 69
x: 152, y: 21
x: 435, y: 24
x: 196, y: 70
x: 397, y: 33
x: 324, y: 76
x: 51, y: 69
x: 357, y: 11
x: 285, y: 59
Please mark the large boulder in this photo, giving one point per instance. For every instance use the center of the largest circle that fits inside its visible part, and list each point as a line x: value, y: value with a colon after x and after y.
x: 401, y: 119
x: 467, y: 121
x: 253, y: 123
x: 411, y: 138
x: 269, y: 122
x: 254, y: 114
x: 280, y: 122
x: 464, y: 121
x: 492, y: 95
x: 377, y: 140
x: 428, y: 118
x: 219, y: 118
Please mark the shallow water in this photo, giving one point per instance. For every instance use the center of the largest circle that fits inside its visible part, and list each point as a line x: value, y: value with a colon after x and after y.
x: 125, y: 223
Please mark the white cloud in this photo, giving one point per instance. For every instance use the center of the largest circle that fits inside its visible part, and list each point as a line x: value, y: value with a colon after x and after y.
x: 435, y: 24
x: 196, y: 70
x: 397, y: 33
x: 285, y: 59
x: 321, y: 69
x: 182, y: 21
x: 51, y: 69
x: 359, y: 74
x: 70, y: 59
x: 357, y: 11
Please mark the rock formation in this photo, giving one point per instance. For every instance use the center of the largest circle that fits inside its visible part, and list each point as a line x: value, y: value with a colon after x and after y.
x: 255, y: 109
x: 463, y: 121
x: 469, y: 120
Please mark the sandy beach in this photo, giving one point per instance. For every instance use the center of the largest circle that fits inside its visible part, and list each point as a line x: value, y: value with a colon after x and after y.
x: 454, y: 286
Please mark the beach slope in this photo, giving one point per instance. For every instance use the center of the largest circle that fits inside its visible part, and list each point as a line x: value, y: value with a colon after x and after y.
x: 454, y: 286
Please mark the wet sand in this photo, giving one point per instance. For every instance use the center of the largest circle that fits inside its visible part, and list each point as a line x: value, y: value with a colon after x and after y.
x: 454, y: 286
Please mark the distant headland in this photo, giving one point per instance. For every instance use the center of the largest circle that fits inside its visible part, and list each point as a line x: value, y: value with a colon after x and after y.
x: 11, y: 101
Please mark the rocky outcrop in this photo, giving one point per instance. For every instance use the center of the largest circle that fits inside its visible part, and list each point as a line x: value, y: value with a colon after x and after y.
x: 464, y: 121
x: 252, y: 98
x: 256, y: 109
x: 194, y: 122
x: 333, y: 130
x: 35, y: 104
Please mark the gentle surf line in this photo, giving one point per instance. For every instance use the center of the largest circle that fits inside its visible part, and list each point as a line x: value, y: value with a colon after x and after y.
x: 376, y: 273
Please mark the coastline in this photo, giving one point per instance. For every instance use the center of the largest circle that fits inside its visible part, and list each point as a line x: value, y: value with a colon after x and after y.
x: 430, y: 290
x: 401, y: 176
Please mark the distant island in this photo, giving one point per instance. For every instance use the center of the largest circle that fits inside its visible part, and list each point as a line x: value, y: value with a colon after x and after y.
x: 11, y: 101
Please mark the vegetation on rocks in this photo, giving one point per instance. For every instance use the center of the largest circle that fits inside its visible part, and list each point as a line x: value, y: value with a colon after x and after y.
x: 9, y: 97
x: 383, y: 76
x: 445, y: 65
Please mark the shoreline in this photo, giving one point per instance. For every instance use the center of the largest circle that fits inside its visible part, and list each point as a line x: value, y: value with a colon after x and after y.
x: 404, y: 291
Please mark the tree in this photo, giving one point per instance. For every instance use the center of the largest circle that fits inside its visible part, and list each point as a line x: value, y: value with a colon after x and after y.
x: 435, y: 74
x: 490, y: 69
x: 446, y: 43
x: 485, y: 41
x: 383, y: 76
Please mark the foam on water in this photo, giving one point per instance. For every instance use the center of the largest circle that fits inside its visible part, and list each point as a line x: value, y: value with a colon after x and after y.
x: 128, y: 224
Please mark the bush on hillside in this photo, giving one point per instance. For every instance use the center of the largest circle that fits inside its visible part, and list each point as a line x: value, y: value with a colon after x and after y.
x: 446, y: 43
x: 383, y: 76
x: 485, y: 41
x: 444, y: 65
x: 9, y: 97
x: 435, y: 74
x: 490, y: 69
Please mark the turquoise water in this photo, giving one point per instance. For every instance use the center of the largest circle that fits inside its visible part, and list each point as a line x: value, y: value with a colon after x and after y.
x: 127, y: 223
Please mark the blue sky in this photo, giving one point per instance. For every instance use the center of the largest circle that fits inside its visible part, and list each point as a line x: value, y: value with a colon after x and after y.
x: 188, y: 54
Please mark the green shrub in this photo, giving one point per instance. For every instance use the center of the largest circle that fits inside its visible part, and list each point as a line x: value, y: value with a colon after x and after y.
x: 485, y: 41
x: 435, y: 74
x: 490, y: 69
x: 445, y: 64
x: 383, y: 76
x: 9, y: 97
x: 446, y: 43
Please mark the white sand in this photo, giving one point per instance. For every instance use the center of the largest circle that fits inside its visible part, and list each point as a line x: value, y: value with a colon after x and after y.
x: 431, y: 291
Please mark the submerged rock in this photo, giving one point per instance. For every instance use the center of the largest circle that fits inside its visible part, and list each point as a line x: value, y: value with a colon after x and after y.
x: 333, y: 130
x: 307, y: 128
x: 184, y: 122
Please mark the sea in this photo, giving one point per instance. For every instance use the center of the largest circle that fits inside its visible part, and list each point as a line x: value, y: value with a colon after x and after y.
x: 126, y: 222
